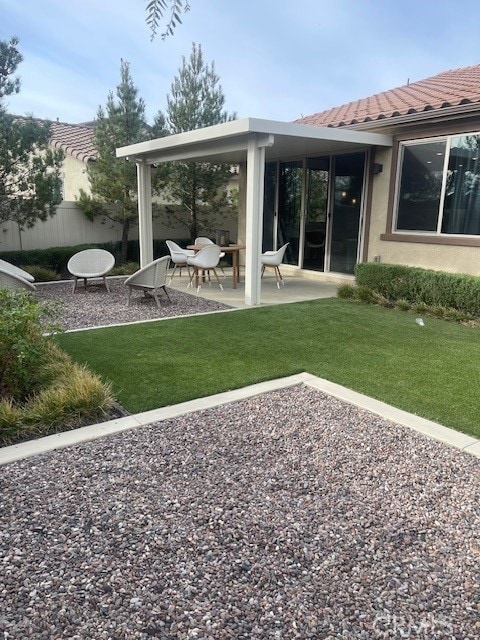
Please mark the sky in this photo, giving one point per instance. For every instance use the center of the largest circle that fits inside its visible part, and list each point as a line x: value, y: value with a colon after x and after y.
x: 276, y: 59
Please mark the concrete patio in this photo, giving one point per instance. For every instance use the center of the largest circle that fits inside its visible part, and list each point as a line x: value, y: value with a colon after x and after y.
x: 295, y: 289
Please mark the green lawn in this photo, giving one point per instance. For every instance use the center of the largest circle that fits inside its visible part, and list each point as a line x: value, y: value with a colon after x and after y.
x: 432, y: 371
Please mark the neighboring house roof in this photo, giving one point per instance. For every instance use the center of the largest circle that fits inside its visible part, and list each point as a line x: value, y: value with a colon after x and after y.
x: 75, y: 139
x: 447, y: 89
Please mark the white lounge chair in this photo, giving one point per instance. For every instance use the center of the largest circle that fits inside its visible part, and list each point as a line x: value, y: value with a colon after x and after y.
x: 16, y: 271
x: 149, y: 279
x: 91, y: 263
x: 179, y: 257
x: 274, y: 259
x: 9, y: 280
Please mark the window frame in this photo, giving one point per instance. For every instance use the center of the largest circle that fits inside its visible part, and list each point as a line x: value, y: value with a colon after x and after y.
x: 415, y: 235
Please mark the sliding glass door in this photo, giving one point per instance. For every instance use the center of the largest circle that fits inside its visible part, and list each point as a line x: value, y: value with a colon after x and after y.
x: 315, y: 205
x: 316, y: 213
x: 290, y: 208
x: 346, y: 209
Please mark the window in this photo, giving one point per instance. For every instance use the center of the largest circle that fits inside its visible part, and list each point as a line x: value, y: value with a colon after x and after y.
x: 439, y: 184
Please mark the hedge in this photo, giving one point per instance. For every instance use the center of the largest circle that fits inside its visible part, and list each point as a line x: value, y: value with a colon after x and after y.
x: 56, y: 258
x: 416, y: 285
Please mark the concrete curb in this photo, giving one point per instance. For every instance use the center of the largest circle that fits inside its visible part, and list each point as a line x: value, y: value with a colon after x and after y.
x: 433, y: 430
x: 428, y: 428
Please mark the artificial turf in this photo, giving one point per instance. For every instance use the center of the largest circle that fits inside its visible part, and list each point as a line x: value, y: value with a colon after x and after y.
x: 432, y: 371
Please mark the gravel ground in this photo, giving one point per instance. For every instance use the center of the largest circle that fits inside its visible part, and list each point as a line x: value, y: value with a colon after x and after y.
x: 290, y: 515
x: 95, y: 307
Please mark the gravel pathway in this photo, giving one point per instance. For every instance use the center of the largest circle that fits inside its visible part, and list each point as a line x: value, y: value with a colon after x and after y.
x: 291, y: 515
x: 96, y: 307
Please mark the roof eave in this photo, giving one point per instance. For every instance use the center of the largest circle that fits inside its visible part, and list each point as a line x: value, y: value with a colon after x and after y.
x: 419, y: 116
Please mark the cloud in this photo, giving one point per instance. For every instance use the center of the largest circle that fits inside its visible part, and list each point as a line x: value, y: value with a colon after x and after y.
x: 275, y: 59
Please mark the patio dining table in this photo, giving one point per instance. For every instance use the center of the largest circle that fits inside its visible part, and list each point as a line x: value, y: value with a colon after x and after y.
x: 234, y: 249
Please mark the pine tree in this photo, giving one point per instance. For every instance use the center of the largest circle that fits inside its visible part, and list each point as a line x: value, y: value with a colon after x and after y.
x: 30, y: 185
x: 196, y: 101
x: 113, y: 181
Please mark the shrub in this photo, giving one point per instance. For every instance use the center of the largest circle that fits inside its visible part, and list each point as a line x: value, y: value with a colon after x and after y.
x: 72, y: 397
x: 403, y: 305
x: 421, y: 286
x: 420, y: 308
x: 365, y: 294
x: 56, y: 258
x: 126, y: 269
x: 41, y: 389
x: 22, y: 344
x: 347, y: 292
x: 41, y: 274
x: 377, y: 298
x: 438, y: 311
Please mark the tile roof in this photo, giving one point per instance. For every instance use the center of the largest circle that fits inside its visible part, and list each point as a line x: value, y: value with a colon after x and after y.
x: 447, y: 89
x: 75, y: 139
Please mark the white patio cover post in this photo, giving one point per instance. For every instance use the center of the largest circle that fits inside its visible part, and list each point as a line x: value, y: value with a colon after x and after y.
x: 145, y: 223
x: 254, y: 215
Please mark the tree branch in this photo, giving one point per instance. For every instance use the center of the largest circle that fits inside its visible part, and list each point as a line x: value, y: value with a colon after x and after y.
x: 157, y: 10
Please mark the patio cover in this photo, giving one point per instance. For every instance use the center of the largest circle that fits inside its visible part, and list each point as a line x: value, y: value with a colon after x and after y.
x: 249, y: 140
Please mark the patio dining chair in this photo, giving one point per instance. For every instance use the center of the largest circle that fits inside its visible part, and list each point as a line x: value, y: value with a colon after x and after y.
x: 205, y: 260
x: 150, y: 279
x: 274, y: 259
x: 91, y: 263
x: 206, y: 241
x: 179, y: 257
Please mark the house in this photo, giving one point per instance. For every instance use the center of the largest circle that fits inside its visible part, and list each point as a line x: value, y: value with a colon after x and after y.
x: 393, y: 178
x: 421, y: 196
x: 76, y: 141
x: 69, y: 226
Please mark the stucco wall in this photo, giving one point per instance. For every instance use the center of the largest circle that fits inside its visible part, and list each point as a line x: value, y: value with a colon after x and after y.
x: 74, y: 178
x: 378, y: 218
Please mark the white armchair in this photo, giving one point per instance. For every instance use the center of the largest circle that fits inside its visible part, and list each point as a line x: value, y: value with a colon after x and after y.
x: 91, y: 263
x: 149, y: 279
x: 274, y: 259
